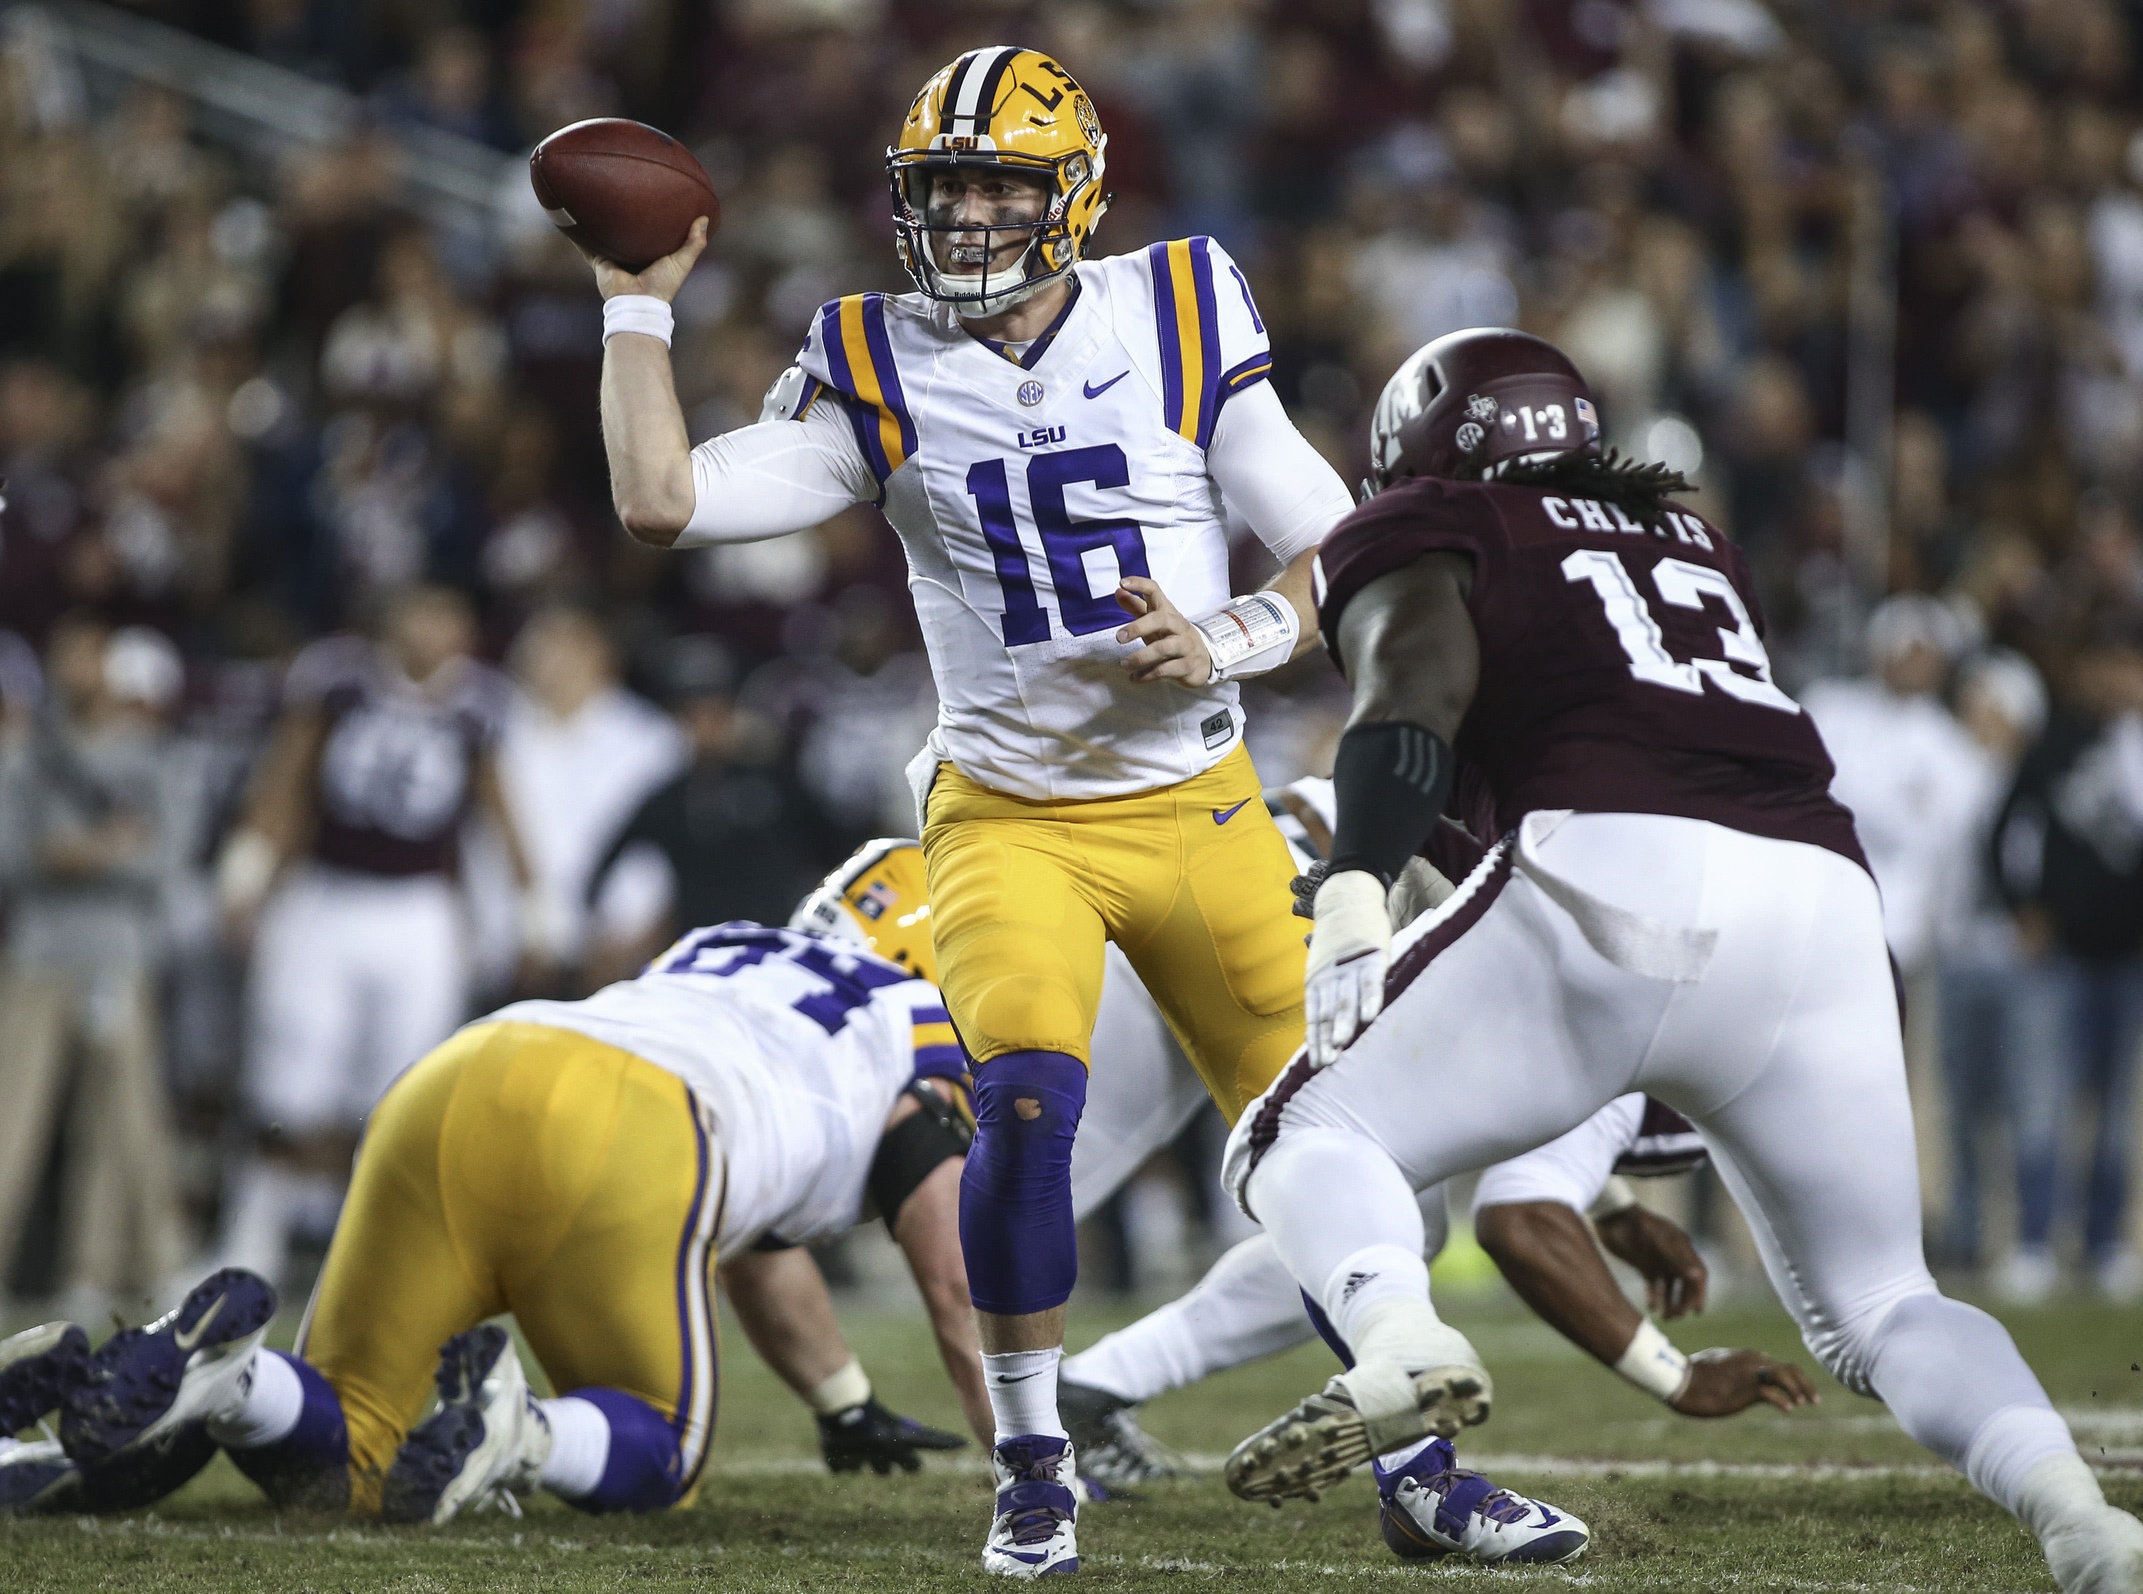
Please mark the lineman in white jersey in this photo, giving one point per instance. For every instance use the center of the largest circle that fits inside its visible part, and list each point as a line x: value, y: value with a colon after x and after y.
x: 1060, y: 443
x: 583, y: 1165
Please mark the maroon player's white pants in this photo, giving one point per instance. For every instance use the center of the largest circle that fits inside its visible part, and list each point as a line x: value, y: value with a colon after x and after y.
x: 1741, y: 980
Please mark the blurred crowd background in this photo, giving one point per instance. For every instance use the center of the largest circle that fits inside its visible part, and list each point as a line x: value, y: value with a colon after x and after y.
x: 287, y: 353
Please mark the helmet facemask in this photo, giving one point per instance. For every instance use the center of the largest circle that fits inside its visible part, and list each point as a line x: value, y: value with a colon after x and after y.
x: 966, y: 274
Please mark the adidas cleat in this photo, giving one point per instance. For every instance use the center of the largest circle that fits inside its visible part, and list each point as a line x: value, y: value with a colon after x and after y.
x: 1428, y: 1508
x: 1113, y: 1449
x: 144, y: 1384
x: 37, y: 1476
x: 486, y: 1440
x: 39, y: 1368
x: 1358, y: 1415
x: 1035, y: 1529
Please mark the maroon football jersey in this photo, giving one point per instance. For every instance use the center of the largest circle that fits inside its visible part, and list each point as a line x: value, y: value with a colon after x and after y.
x: 1622, y: 667
x: 397, y: 767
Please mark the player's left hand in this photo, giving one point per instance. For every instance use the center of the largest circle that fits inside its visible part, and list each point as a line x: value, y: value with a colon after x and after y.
x: 1676, y: 1280
x: 1174, y: 649
x: 870, y: 1435
x: 1350, y: 949
x: 1722, y: 1382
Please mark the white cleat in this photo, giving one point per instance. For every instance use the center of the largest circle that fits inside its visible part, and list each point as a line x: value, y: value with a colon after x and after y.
x: 2101, y: 1553
x: 486, y: 1440
x: 1360, y: 1414
x: 1429, y: 1508
x: 1035, y: 1529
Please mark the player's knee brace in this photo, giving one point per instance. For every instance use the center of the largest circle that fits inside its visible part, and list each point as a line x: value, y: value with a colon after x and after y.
x: 1015, y: 1194
x: 644, y: 1469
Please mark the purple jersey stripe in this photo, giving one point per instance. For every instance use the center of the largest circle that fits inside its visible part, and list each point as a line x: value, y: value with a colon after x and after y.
x: 687, y: 1250
x: 931, y: 1015
x: 1255, y: 369
x: 940, y: 1061
x: 1208, y: 338
x: 1164, y: 315
x: 881, y: 347
x: 861, y: 417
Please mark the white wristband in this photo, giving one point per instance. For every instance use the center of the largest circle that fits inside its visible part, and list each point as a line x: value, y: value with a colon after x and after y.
x: 638, y: 312
x: 1653, y: 1364
x: 1248, y: 636
x: 851, y: 1386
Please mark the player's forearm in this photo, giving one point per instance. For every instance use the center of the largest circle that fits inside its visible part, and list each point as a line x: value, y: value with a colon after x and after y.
x: 928, y: 1233
x: 1545, y: 1251
x: 644, y: 436
x: 780, y: 1298
x: 1294, y: 583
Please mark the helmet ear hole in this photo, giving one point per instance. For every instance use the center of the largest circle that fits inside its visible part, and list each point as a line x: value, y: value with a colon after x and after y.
x: 1432, y: 383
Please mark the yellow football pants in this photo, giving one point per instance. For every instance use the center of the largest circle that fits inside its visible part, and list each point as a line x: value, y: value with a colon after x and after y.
x: 1190, y: 880
x: 526, y: 1169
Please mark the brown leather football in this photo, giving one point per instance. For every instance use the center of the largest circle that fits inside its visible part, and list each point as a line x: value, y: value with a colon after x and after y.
x: 624, y: 190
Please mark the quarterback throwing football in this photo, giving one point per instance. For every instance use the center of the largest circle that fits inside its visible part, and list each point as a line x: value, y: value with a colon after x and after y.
x: 1058, y: 442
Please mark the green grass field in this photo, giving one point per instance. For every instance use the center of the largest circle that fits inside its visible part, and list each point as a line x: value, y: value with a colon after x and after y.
x: 1830, y: 1499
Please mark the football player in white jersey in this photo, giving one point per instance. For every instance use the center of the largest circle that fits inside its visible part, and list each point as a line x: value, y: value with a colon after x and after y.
x: 1060, y: 443
x: 582, y: 1165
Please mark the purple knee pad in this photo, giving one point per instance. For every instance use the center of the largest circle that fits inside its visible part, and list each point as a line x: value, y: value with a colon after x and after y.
x: 310, y: 1465
x: 644, y: 1470
x: 1015, y: 1194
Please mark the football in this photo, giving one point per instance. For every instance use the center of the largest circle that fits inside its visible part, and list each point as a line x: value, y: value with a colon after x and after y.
x: 622, y: 189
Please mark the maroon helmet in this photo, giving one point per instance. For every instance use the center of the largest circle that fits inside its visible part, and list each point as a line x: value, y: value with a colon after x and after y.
x: 1471, y: 400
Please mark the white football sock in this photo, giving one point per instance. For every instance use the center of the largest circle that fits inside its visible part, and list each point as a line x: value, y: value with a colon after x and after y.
x: 1330, y: 1197
x: 1247, y: 1306
x: 268, y: 1402
x: 1023, y: 1392
x: 580, y: 1446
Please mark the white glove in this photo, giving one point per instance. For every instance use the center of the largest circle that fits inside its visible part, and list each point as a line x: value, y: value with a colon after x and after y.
x: 1350, y: 948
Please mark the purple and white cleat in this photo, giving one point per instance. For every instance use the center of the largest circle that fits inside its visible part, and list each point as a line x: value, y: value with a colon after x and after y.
x: 1035, y: 1529
x: 1428, y: 1508
x: 144, y: 1384
x: 38, y: 1368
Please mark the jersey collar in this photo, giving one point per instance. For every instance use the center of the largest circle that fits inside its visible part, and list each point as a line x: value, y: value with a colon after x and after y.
x: 1040, y: 346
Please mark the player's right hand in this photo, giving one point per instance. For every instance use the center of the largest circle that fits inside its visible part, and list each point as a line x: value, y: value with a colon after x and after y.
x: 1350, y: 950
x: 871, y: 1435
x: 1722, y: 1382
x: 660, y: 280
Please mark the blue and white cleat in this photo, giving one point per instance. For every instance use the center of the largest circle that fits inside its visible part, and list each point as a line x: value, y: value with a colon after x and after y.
x: 486, y: 1440
x: 35, y: 1475
x: 145, y: 1384
x: 39, y: 1368
x: 1035, y: 1529
x: 1428, y: 1508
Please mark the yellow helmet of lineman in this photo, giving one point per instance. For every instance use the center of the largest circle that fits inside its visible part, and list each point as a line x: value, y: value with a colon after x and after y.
x: 1011, y: 108
x: 879, y: 900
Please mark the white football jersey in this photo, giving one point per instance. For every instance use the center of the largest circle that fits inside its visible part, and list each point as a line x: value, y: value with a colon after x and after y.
x: 797, y: 1045
x: 1023, y: 485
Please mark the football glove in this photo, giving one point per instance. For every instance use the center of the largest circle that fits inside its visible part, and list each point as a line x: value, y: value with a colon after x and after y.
x: 869, y: 1435
x: 1350, y: 948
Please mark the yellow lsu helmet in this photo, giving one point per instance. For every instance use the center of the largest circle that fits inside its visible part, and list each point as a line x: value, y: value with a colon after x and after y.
x: 879, y: 900
x: 1012, y: 108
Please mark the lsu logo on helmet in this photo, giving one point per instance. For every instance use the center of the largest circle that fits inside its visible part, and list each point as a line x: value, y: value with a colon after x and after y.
x: 880, y: 900
x: 1017, y: 110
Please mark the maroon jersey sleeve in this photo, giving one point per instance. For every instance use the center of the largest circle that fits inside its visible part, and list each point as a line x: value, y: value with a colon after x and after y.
x: 1622, y: 663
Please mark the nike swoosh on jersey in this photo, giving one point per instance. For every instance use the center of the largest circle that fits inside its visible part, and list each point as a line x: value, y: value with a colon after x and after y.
x: 1092, y: 391
x: 1222, y: 815
x: 187, y: 1341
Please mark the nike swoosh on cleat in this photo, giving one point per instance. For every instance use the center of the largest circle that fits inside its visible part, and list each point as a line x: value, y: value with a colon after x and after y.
x: 1092, y: 391
x: 1222, y: 815
x: 186, y: 1342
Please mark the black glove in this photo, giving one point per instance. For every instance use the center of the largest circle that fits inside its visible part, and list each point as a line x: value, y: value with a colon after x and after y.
x: 869, y: 1435
x: 1305, y: 887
